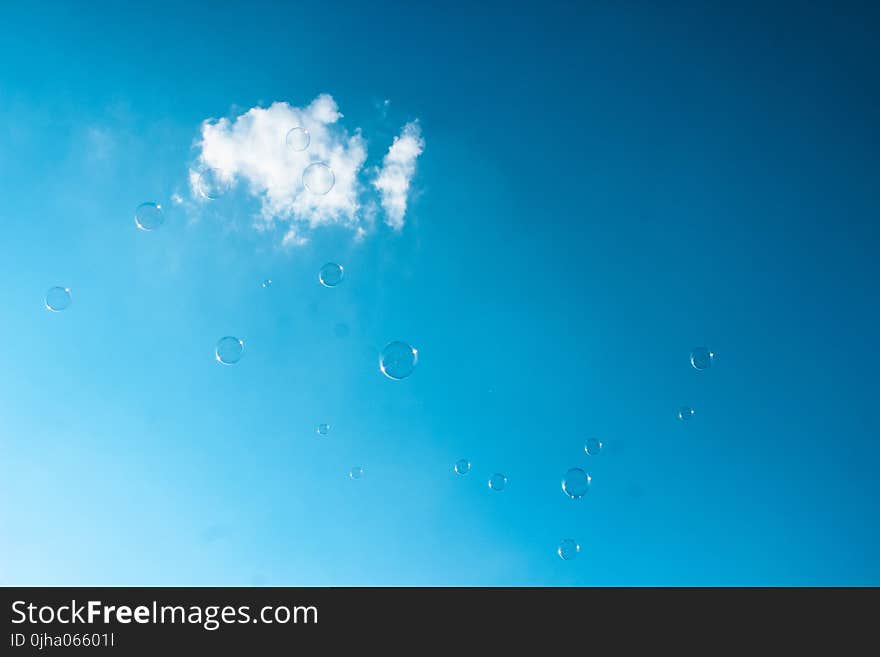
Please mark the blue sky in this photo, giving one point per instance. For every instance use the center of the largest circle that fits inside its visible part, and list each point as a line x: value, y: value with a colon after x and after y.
x: 603, y: 187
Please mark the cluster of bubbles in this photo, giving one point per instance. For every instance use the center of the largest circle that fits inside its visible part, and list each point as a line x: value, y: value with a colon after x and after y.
x: 318, y: 178
x: 575, y: 485
x: 576, y: 482
x: 397, y: 359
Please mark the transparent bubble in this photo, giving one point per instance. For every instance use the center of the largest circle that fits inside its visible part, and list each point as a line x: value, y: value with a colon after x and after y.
x: 298, y: 139
x: 685, y: 413
x: 462, y: 466
x: 229, y: 350
x: 57, y: 299
x: 331, y: 274
x: 318, y: 178
x: 356, y: 472
x: 576, y: 483
x: 212, y: 184
x: 497, y: 482
x: 323, y: 429
x: 568, y: 549
x: 149, y: 216
x: 701, y: 358
x: 593, y: 446
x: 266, y: 283
x: 398, y: 360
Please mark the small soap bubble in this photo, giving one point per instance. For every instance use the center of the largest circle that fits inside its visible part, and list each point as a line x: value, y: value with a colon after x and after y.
x: 497, y: 482
x: 322, y: 429
x: 593, y: 446
x: 568, y: 549
x: 318, y: 178
x: 685, y: 413
x: 576, y: 483
x: 298, y: 139
x: 398, y: 360
x: 212, y: 185
x: 462, y: 466
x: 266, y: 283
x: 57, y: 299
x: 702, y: 358
x: 331, y: 274
x: 356, y: 472
x: 229, y: 350
x: 149, y: 216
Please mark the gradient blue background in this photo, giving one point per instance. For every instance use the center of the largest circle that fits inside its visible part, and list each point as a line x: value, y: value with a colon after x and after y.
x: 605, y: 186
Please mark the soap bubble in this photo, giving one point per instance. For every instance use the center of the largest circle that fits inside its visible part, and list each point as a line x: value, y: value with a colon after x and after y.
x: 322, y: 429
x: 212, y: 184
x: 318, y: 178
x: 229, y: 350
x: 593, y: 446
x: 266, y: 283
x: 298, y: 139
x: 57, y: 299
x: 576, y: 483
x: 331, y: 274
x: 685, y: 413
x: 398, y: 360
x: 462, y: 466
x: 568, y: 549
x: 356, y: 472
x: 497, y: 482
x: 701, y: 358
x: 148, y: 216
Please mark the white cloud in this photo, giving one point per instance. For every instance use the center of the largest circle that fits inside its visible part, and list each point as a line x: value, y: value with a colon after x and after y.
x: 251, y: 150
x: 398, y: 168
